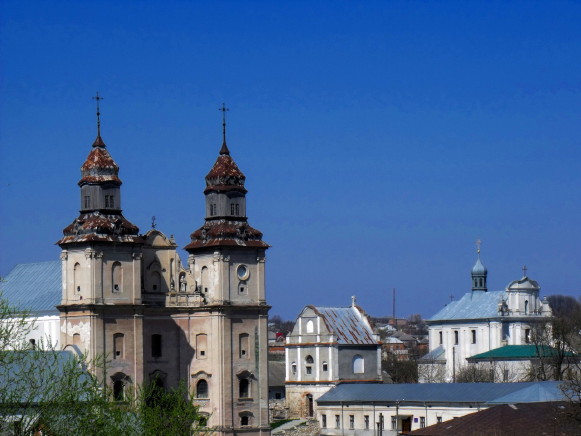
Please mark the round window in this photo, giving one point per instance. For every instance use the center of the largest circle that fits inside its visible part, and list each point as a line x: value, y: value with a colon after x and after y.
x: 242, y: 272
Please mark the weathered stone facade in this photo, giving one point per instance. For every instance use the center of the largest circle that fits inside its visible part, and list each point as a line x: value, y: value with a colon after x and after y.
x: 127, y: 297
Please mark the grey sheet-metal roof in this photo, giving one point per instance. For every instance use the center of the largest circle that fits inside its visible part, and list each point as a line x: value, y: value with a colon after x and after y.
x: 348, y: 324
x: 34, y: 286
x: 438, y: 354
x: 473, y: 305
x: 530, y: 392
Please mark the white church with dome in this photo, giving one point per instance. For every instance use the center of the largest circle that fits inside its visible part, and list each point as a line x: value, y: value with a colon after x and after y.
x: 481, y: 321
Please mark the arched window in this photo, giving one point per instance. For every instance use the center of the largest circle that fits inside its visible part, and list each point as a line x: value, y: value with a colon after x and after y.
x: 294, y: 367
x: 309, y: 359
x: 244, y: 388
x: 243, y: 345
x: 155, y: 281
x: 202, y: 389
x: 526, y: 307
x: 310, y: 326
x: 118, y: 390
x: 358, y: 364
x: 76, y: 339
x: 118, y: 345
x: 325, y: 367
x: 77, y: 277
x: 117, y: 277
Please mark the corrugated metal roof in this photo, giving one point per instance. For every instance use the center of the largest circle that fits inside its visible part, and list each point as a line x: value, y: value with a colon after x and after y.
x: 517, y: 352
x: 473, y: 305
x: 36, y: 287
x: 442, y: 392
x: 347, y: 324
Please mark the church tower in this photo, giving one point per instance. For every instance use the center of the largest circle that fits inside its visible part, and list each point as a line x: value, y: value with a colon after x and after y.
x: 227, y: 261
x: 479, y: 274
x: 101, y: 272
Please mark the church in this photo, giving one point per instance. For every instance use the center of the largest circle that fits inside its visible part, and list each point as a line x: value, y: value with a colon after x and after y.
x: 481, y: 321
x: 127, y: 296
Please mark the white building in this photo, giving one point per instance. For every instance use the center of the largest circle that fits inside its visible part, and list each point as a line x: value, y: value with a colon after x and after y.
x: 393, y: 409
x: 481, y: 321
x: 329, y: 345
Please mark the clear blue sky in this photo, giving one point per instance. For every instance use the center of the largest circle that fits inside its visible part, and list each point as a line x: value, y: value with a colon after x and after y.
x: 379, y: 139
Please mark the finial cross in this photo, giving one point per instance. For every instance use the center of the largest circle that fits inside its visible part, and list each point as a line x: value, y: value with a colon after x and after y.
x: 98, y: 98
x: 451, y: 297
x: 478, y: 244
x: 224, y: 109
x: 153, y: 224
x: 524, y: 270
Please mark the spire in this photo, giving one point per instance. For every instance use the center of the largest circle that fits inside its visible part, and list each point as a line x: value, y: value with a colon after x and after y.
x: 224, y: 149
x: 479, y: 272
x: 98, y: 141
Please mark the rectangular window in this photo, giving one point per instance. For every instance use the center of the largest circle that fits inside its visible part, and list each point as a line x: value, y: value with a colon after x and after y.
x: 473, y: 336
x: 232, y: 209
x: 456, y: 337
x: 155, y: 345
x: 337, y: 421
x: 237, y: 210
x: 309, y: 370
x: 351, y: 422
x: 439, y: 418
x: 527, y: 336
x: 111, y: 201
x: 422, y: 421
x: 106, y: 201
x: 393, y: 423
x: 87, y: 202
x: 366, y: 422
x: 441, y: 341
x: 323, y: 421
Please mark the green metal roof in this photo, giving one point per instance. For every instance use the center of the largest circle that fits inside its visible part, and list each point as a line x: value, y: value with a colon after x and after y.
x: 518, y: 352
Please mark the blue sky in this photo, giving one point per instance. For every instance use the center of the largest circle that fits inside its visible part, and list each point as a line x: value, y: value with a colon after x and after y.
x: 379, y: 139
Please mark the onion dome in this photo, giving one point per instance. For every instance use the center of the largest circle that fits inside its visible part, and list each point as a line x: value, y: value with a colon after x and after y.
x: 479, y: 268
x: 225, y: 174
x: 99, y: 166
x: 100, y: 218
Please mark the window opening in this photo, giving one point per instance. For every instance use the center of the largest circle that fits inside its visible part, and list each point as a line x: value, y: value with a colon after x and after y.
x: 202, y: 389
x: 422, y: 422
x: 118, y: 390
x: 323, y: 421
x: 337, y: 421
x: 441, y: 338
x: 244, y: 390
x: 325, y: 366
x: 366, y: 421
x: 358, y: 364
x: 351, y: 422
x: 155, y: 345
x: 243, y: 344
x: 473, y: 336
x: 294, y: 368
x: 527, y: 336
x: 87, y: 202
x: 244, y: 421
x: 456, y: 337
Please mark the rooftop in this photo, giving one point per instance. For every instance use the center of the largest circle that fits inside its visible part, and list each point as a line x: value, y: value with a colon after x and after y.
x: 34, y: 286
x: 518, y: 352
x: 432, y: 393
x: 349, y: 324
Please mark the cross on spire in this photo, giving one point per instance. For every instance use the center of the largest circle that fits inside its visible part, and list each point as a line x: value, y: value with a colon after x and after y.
x: 153, y: 224
x: 224, y: 149
x: 98, y: 98
x: 524, y: 270
x: 478, y: 243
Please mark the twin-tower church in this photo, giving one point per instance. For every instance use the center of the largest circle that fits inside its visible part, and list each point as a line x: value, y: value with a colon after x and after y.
x: 127, y: 296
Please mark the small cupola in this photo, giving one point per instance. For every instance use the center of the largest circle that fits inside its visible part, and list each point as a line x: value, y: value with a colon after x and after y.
x: 479, y: 273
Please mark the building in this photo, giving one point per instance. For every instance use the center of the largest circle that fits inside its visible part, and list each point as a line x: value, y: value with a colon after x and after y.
x: 391, y: 409
x: 522, y: 419
x: 127, y: 296
x: 481, y: 321
x: 328, y: 346
x: 513, y: 363
x: 36, y: 289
